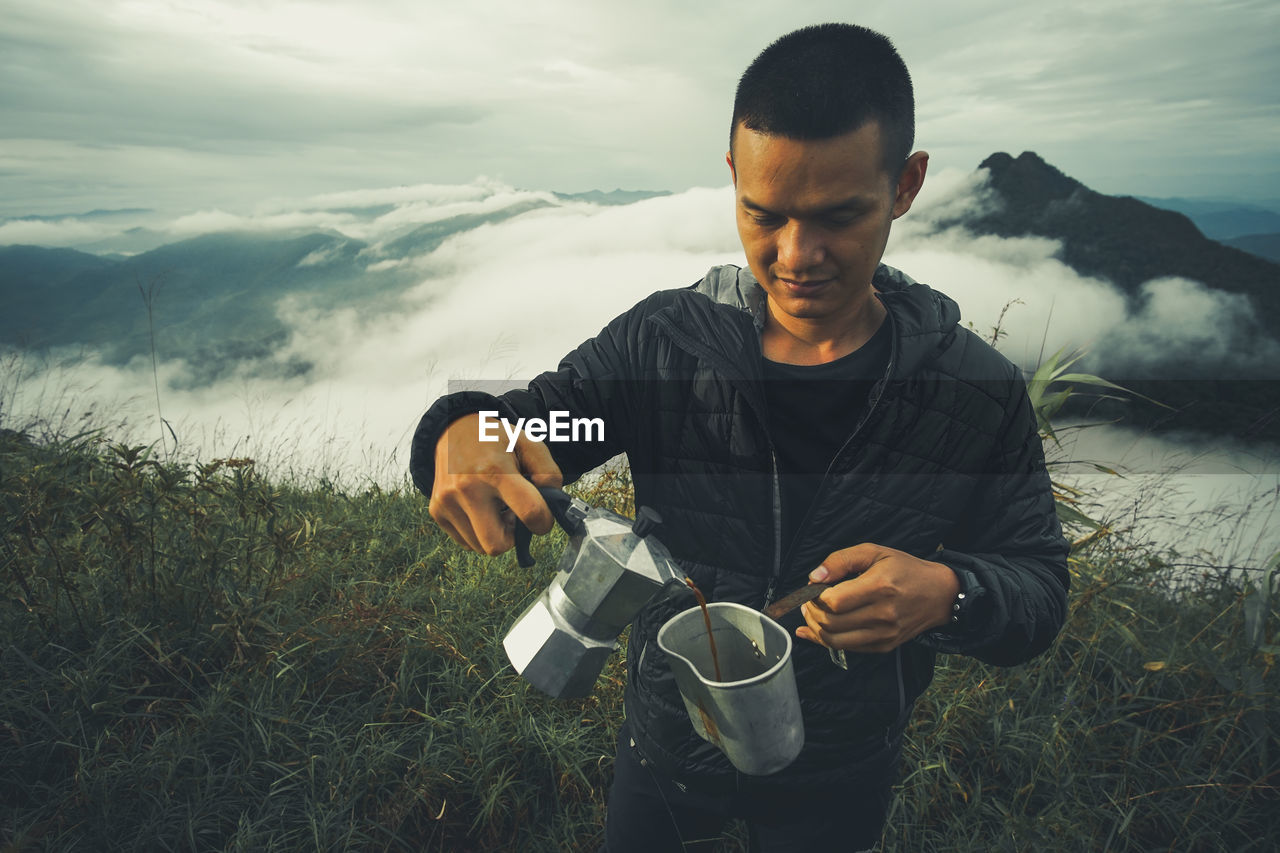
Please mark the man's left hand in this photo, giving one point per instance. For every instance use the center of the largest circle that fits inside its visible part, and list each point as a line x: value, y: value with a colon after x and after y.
x: 889, y: 598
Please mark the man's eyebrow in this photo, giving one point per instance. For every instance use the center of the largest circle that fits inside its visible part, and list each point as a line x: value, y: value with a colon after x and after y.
x: 853, y: 204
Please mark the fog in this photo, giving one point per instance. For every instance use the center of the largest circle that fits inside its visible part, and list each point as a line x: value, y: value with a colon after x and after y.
x: 507, y: 299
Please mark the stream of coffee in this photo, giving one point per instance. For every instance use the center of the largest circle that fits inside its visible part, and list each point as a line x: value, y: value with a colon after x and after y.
x: 706, y: 617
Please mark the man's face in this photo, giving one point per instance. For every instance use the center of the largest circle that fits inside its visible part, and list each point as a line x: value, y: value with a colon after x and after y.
x: 814, y: 216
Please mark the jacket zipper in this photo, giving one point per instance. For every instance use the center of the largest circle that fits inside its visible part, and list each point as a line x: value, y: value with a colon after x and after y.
x: 877, y: 394
x: 776, y: 577
x: 696, y: 348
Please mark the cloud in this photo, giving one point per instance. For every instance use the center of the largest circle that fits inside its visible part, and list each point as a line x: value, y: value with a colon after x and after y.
x: 343, y: 95
x: 501, y: 301
x: 1047, y: 306
x: 62, y: 232
x: 212, y: 102
x: 1114, y: 93
x: 1206, y: 499
x: 506, y: 300
x: 213, y: 221
x: 372, y: 215
x: 430, y: 194
x: 509, y: 299
x: 1182, y: 320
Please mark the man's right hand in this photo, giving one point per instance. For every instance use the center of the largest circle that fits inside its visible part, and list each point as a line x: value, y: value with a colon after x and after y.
x: 477, y: 482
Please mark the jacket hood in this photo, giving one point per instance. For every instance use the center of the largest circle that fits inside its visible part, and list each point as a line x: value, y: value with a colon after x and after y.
x: 924, y: 319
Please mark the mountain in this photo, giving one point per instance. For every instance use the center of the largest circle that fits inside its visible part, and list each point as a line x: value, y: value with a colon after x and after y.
x: 19, y: 264
x: 618, y: 196
x: 1117, y: 237
x: 99, y: 213
x: 427, y: 238
x: 213, y: 298
x: 1263, y: 245
x: 1130, y: 242
x: 125, y: 231
x: 39, y: 285
x: 1221, y: 220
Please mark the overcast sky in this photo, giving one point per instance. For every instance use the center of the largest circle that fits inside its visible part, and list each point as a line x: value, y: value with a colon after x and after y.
x: 188, y: 104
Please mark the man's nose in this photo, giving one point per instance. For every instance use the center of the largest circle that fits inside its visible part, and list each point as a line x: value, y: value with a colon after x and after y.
x: 799, y: 247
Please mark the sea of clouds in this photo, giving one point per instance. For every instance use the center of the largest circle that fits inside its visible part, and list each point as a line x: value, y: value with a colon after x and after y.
x: 507, y: 299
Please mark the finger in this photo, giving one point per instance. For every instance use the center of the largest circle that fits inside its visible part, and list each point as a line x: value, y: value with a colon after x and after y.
x: 824, y: 636
x: 535, y: 461
x: 806, y: 633
x: 481, y: 505
x: 455, y: 525
x: 821, y: 618
x: 847, y: 562
x: 845, y: 598
x: 522, y: 497
x: 862, y: 641
x: 813, y: 629
x: 833, y: 628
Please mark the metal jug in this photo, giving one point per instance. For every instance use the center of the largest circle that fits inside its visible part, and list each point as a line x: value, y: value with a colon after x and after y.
x: 611, y: 568
x: 753, y: 712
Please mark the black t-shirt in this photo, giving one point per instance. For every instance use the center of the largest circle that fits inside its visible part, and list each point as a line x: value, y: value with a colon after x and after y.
x: 813, y: 409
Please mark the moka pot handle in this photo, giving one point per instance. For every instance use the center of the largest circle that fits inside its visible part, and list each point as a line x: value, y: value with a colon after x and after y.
x: 561, y: 504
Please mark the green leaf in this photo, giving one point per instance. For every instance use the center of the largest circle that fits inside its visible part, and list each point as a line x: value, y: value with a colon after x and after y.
x: 1088, y: 379
x: 1071, y: 515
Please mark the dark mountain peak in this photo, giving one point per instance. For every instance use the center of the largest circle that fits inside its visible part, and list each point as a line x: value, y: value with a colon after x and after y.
x: 1029, y: 178
x: 1030, y: 160
x: 1130, y: 243
x: 1118, y: 238
x: 997, y: 163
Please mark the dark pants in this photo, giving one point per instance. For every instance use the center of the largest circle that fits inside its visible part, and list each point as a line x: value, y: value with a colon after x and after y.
x: 649, y: 813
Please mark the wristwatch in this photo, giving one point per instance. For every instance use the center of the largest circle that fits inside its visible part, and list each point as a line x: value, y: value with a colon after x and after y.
x: 964, y: 609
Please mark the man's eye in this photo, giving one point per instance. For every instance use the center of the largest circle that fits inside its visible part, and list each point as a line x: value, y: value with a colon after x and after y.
x: 765, y: 219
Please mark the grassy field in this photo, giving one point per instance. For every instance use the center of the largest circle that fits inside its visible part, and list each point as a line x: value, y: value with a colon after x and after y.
x: 195, y: 657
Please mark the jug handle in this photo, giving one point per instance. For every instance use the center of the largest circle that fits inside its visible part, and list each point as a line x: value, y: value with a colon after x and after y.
x: 560, y: 503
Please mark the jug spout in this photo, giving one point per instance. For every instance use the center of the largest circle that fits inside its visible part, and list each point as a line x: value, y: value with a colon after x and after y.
x: 753, y: 713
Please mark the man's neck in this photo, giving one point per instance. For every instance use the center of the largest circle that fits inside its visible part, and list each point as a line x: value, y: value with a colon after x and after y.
x: 793, y: 340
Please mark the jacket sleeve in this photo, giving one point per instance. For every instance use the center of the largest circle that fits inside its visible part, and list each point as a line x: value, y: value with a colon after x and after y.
x: 589, y: 383
x: 1012, y: 541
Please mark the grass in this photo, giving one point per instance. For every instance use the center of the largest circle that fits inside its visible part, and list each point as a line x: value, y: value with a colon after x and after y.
x: 196, y: 657
x: 199, y: 657
x: 1150, y: 725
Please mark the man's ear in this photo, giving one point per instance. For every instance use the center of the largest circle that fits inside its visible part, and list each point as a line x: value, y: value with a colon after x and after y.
x: 733, y: 174
x: 910, y: 182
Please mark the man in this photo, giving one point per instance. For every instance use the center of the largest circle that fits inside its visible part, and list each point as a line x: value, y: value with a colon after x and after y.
x: 818, y: 417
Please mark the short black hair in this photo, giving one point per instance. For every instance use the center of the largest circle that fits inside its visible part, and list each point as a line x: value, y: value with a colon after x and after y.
x: 827, y: 80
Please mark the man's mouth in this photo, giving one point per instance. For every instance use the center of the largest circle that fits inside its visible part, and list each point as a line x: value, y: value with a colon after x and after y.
x: 803, y: 284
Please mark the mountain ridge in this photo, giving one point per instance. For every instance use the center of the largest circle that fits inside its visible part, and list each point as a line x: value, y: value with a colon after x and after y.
x: 1120, y: 238
x: 215, y: 295
x: 1130, y: 243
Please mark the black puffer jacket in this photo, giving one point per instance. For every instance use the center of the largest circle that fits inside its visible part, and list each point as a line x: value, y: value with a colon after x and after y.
x: 946, y: 465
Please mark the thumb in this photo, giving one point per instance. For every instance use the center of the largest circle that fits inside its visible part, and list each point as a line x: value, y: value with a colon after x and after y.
x: 846, y: 562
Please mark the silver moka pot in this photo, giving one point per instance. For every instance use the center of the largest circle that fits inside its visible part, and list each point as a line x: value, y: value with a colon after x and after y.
x: 611, y: 568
